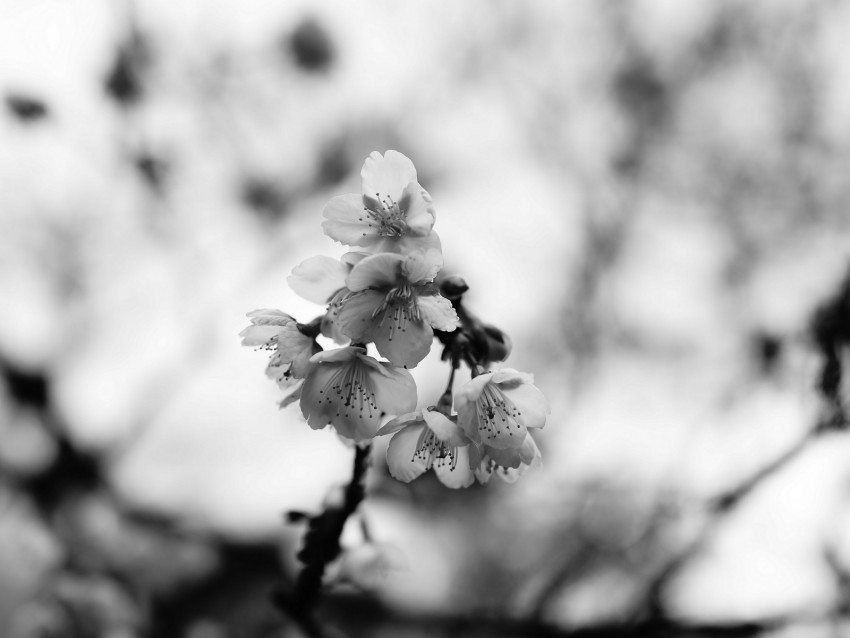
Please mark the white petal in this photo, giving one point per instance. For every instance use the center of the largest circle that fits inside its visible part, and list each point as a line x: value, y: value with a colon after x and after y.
x: 375, y: 271
x: 530, y: 453
x: 354, y: 315
x: 469, y: 392
x: 403, y: 348
x: 267, y: 316
x: 292, y: 397
x: 301, y: 363
x: 510, y: 474
x: 280, y: 371
x: 465, y: 399
x: 354, y: 412
x: 347, y: 221
x: 406, y: 244
x: 387, y: 175
x: 396, y: 424
x: 395, y: 390
x: 418, y: 208
x: 445, y: 429
x: 329, y: 326
x: 422, y: 265
x: 483, y: 472
x: 291, y: 342
x: 513, y: 463
x: 337, y: 355
x: 402, y: 460
x: 510, y: 457
x: 459, y: 475
x: 531, y: 403
x: 438, y: 312
x: 353, y: 258
x: 508, y: 377
x: 318, y: 278
x: 313, y: 405
x: 258, y: 335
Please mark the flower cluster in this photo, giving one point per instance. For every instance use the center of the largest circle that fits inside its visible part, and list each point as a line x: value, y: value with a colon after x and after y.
x: 384, y: 292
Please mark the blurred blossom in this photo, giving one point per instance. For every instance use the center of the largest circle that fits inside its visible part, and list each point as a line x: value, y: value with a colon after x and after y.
x: 28, y: 552
x: 28, y: 446
x: 369, y: 565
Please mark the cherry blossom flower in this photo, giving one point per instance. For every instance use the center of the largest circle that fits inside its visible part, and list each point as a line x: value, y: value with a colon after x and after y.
x: 352, y: 392
x: 509, y: 463
x: 393, y: 302
x: 279, y: 332
x: 427, y: 440
x: 497, y: 408
x: 393, y: 214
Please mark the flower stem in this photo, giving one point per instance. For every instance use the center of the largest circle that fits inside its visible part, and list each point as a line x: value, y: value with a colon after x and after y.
x: 321, y: 546
x: 445, y: 403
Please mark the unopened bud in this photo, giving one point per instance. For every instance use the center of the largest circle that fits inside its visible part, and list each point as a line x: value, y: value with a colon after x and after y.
x: 453, y: 287
x: 499, y: 344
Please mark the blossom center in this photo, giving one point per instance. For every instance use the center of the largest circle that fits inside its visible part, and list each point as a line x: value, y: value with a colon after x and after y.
x: 496, y: 413
x: 386, y: 214
x: 350, y: 390
x: 433, y: 451
x: 398, y: 308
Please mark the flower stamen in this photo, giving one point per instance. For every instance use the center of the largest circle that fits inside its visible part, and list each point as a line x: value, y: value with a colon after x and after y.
x: 350, y: 390
x: 433, y: 451
x: 496, y: 411
x: 386, y: 214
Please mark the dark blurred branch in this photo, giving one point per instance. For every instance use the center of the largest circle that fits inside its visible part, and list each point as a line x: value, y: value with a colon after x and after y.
x: 831, y: 332
x: 830, y: 328
x: 727, y: 501
x: 368, y: 617
x: 322, y: 546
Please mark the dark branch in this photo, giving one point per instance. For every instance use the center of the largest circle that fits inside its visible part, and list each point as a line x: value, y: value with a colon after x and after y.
x: 321, y: 546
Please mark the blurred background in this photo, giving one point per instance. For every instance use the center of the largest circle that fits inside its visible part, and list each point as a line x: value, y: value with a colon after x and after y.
x: 648, y: 196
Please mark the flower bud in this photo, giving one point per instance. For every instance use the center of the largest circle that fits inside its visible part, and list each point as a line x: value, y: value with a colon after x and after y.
x: 453, y: 287
x: 499, y: 344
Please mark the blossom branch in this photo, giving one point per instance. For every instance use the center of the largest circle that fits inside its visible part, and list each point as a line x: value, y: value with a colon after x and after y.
x: 322, y: 546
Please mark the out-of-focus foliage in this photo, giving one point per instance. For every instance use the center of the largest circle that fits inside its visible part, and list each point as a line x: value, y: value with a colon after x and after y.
x: 648, y: 197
